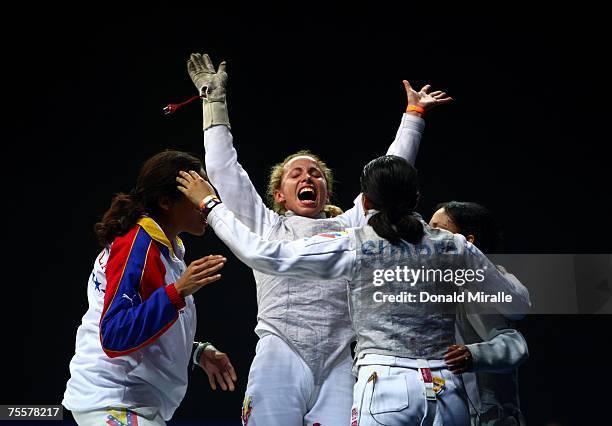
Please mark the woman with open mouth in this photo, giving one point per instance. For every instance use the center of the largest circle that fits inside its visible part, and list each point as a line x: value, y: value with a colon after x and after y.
x: 402, y: 376
x: 301, y: 374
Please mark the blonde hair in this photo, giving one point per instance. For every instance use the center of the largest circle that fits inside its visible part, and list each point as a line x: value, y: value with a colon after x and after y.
x: 276, y: 177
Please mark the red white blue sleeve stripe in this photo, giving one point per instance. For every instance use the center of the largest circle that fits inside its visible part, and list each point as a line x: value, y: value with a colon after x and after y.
x: 138, y: 306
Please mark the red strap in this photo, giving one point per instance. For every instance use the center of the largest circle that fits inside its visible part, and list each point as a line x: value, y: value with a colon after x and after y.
x: 172, y: 108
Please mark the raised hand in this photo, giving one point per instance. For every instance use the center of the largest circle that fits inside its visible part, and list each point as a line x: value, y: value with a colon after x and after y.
x: 423, y: 98
x: 211, y: 85
x: 209, y: 82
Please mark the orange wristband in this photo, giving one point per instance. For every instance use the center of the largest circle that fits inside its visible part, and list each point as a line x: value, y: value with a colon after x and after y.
x: 416, y: 108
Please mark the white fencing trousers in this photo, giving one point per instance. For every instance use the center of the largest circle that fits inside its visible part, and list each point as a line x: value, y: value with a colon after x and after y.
x: 395, y: 394
x: 281, y: 390
x: 116, y: 416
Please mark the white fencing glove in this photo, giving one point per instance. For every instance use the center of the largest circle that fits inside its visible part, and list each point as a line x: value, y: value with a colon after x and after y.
x: 211, y: 85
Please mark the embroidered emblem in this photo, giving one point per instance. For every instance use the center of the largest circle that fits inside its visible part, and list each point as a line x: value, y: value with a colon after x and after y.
x: 97, y: 283
x: 334, y: 234
x: 247, y: 407
x: 438, y: 384
x: 121, y: 417
x: 324, y: 237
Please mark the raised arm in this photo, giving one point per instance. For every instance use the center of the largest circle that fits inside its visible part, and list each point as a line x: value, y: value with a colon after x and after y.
x: 222, y: 166
x: 324, y: 256
x: 407, y: 139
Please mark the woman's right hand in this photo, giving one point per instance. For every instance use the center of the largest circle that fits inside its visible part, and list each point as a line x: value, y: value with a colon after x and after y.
x: 194, y: 187
x: 458, y: 359
x: 424, y: 99
x: 199, y: 273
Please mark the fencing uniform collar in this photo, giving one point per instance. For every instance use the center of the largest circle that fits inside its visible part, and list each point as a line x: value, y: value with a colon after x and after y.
x: 157, y: 233
x: 321, y: 215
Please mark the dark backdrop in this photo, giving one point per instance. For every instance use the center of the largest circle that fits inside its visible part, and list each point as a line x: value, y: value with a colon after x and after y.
x: 525, y: 137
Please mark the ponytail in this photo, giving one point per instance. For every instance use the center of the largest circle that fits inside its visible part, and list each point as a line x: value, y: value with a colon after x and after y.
x: 407, y: 227
x: 124, y: 212
x: 390, y: 184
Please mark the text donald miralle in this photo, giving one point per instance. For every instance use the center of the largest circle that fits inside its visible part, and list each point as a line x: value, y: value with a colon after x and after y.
x: 411, y: 276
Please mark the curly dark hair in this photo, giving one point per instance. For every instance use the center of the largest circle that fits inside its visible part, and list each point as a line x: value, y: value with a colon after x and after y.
x: 475, y: 219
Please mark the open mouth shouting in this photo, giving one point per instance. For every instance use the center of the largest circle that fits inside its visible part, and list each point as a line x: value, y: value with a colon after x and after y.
x: 307, y: 196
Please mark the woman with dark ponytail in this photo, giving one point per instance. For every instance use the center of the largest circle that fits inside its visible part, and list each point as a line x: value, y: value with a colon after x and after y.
x: 135, y: 342
x: 401, y: 339
x: 390, y: 186
x: 124, y: 212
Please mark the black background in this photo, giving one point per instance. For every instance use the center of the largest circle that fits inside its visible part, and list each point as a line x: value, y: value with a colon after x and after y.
x: 525, y: 136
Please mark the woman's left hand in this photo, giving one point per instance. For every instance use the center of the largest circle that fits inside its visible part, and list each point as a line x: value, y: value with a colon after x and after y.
x: 218, y: 368
x: 194, y: 186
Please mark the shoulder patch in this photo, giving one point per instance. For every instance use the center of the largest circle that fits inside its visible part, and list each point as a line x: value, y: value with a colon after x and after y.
x: 336, y: 234
x: 325, y: 237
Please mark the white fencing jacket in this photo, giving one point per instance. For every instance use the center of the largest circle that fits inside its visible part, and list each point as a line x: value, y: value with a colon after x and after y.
x: 134, y: 343
x: 498, y: 349
x: 313, y: 317
x: 334, y: 255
